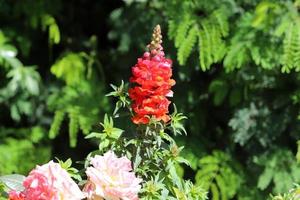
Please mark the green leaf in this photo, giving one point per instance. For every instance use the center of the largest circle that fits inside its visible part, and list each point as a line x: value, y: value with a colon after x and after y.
x: 108, y: 128
x: 298, y: 151
x: 104, y: 144
x: 70, y: 68
x: 215, y: 192
x: 280, y: 168
x: 216, y: 173
x: 54, y: 33
x: 182, y: 30
x: 57, y: 121
x: 220, y: 89
x: 208, y: 31
x: 8, y: 55
x: 94, y: 135
x: 187, y: 45
x: 235, y: 96
x: 179, y: 194
x: 265, y: 178
x: 73, y: 128
x: 13, y: 182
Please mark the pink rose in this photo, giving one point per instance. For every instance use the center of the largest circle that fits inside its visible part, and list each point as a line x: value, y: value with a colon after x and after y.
x: 111, y: 178
x: 50, y: 182
x: 13, y: 195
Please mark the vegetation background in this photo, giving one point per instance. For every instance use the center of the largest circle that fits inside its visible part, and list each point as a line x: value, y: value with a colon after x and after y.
x: 236, y: 64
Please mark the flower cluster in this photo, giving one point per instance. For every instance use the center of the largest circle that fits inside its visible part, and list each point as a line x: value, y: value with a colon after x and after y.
x: 152, y: 79
x: 48, y: 182
x: 110, y: 177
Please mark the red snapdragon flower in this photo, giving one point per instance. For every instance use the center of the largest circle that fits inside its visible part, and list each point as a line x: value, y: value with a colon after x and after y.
x: 152, y: 78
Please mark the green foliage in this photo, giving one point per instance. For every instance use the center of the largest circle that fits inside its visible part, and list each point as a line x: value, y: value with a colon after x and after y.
x: 250, y: 96
x: 23, y: 82
x: 24, y: 78
x: 291, y: 48
x: 192, y: 152
x: 25, y: 151
x: 176, y: 124
x: 110, y: 134
x: 220, y: 89
x: 250, y: 33
x: 298, y: 152
x: 154, y: 154
x: 73, y: 127
x: 217, y: 175
x: 186, y: 190
x: 292, y: 194
x: 185, y: 48
x: 186, y: 30
x: 256, y: 122
x: 3, y: 191
x: 155, y: 189
x: 253, y: 42
x: 121, y: 93
x: 70, y: 68
x: 83, y: 113
x: 242, y: 103
x: 57, y: 121
x: 8, y: 53
x: 53, y: 31
x: 73, y: 172
x: 280, y: 168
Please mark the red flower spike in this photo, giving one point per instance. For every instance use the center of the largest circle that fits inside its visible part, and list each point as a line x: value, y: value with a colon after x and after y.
x: 152, y: 78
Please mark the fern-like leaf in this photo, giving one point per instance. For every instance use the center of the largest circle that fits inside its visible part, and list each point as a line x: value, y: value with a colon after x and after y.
x: 204, y: 57
x: 288, y: 49
x: 70, y: 68
x: 217, y: 176
x: 172, y: 29
x: 209, y: 32
x: 236, y: 57
x: 73, y: 128
x: 296, y: 48
x: 187, y: 45
x: 58, y: 118
x: 221, y: 20
x: 182, y: 30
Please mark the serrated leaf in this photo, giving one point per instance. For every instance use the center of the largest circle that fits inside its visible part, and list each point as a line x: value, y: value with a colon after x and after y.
x: 187, y: 45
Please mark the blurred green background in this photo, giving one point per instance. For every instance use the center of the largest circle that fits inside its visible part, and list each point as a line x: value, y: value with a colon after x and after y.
x: 236, y: 64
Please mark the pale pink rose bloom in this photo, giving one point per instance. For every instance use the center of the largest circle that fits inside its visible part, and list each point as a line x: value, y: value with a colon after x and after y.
x: 51, y: 182
x: 111, y: 178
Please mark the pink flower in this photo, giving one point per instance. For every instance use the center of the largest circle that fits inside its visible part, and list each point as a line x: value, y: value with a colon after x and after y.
x: 13, y: 195
x: 111, y: 178
x: 49, y: 182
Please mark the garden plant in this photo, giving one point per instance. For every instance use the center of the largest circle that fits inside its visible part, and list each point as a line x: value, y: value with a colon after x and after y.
x: 230, y: 66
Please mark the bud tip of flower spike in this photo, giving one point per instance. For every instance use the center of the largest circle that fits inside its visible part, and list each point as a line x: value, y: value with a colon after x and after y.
x: 155, y: 47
